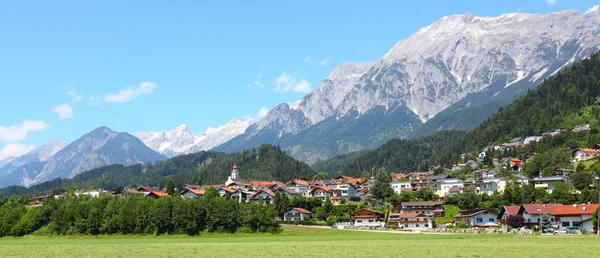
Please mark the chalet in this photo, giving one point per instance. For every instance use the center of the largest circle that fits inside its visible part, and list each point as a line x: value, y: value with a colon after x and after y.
x: 575, y: 215
x: 38, y: 201
x: 584, y: 154
x: 262, y: 196
x: 192, y: 193
x: 532, y: 213
x: 367, y: 218
x: 345, y: 190
x: 412, y: 221
x: 428, y: 208
x: 477, y: 217
x: 322, y: 192
x: 508, y: 211
x: 157, y: 194
x: 261, y: 184
x: 514, y: 164
x: 226, y: 191
x: 301, y: 187
x: 297, y: 214
x: 398, y: 185
x: 351, y: 180
x: 449, y: 183
x: 547, y: 182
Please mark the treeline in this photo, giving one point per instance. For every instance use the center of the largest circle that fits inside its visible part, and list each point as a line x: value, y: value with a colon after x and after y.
x: 396, y: 155
x: 72, y: 215
x: 206, y: 167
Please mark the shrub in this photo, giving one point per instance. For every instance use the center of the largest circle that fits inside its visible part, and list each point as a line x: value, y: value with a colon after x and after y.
x: 354, y: 198
x: 462, y: 224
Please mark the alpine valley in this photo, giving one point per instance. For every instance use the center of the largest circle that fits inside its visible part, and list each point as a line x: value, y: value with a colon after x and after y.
x: 452, y: 74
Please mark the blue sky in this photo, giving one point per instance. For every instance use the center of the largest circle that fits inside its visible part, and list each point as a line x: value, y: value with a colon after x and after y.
x: 69, y: 67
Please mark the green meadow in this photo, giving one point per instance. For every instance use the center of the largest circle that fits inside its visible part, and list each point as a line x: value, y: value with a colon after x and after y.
x: 304, y: 242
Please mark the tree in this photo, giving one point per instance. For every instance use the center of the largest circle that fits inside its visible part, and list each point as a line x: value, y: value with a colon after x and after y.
x: 171, y: 188
x: 516, y: 221
x: 467, y: 200
x: 562, y: 193
x: 595, y: 219
x: 211, y: 193
x: 321, y: 176
x: 546, y: 222
x: 365, y: 175
x: 581, y: 180
x: 382, y: 189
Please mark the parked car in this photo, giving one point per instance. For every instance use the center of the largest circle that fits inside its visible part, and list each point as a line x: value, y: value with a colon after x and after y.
x: 567, y: 231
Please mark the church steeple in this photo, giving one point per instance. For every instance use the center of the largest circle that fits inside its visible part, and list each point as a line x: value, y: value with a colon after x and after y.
x: 234, y: 172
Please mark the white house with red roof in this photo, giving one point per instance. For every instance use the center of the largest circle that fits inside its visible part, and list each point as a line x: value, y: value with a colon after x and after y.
x: 478, y: 217
x: 508, y: 211
x: 584, y: 154
x: 297, y: 214
x: 263, y: 196
x: 533, y: 213
x: 412, y: 221
x: 321, y: 192
x: 575, y: 215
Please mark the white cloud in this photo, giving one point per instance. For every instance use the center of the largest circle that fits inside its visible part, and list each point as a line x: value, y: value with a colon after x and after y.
x: 551, y: 2
x: 64, y: 111
x: 257, y: 84
x: 73, y: 92
x: 15, y: 150
x: 307, y: 59
x: 18, y: 132
x: 291, y: 81
x: 325, y: 61
x: 261, y: 113
x: 95, y: 100
x: 127, y: 94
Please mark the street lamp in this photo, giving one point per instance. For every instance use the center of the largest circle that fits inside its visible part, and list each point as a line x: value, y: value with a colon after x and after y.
x: 540, y: 220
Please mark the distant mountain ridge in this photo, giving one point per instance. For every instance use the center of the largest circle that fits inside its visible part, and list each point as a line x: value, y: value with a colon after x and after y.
x: 480, y: 60
x: 97, y: 148
x: 39, y: 154
x: 182, y: 140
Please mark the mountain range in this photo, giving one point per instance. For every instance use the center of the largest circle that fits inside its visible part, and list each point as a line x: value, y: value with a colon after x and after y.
x: 97, y: 148
x: 182, y: 140
x: 461, y: 65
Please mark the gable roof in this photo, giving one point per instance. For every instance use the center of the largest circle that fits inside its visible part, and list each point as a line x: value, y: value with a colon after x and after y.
x: 267, y: 191
x: 300, y: 182
x: 473, y: 212
x: 195, y: 191
x: 510, y: 210
x: 369, y: 210
x: 583, y: 209
x: 159, y: 194
x: 543, y: 208
x: 302, y: 210
x: 586, y: 150
x: 324, y: 188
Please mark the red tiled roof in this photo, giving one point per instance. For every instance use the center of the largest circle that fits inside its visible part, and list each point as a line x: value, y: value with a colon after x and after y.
x: 324, y: 188
x: 454, y: 189
x: 261, y: 183
x: 160, y: 194
x: 267, y: 191
x: 512, y: 210
x: 579, y: 209
x: 543, y: 208
x: 300, y: 182
x: 587, y: 150
x: 412, y: 215
x: 197, y: 191
x: 302, y: 210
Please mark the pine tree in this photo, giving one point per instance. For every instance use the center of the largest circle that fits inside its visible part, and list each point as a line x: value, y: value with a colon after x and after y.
x: 171, y: 188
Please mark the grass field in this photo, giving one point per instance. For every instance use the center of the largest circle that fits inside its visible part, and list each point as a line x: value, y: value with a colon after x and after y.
x: 304, y: 242
x: 449, y: 212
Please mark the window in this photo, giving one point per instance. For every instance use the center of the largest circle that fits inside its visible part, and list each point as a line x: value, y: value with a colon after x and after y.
x: 566, y: 224
x: 528, y: 220
x: 479, y: 220
x: 417, y: 225
x: 492, y: 220
x: 577, y: 223
x: 370, y: 221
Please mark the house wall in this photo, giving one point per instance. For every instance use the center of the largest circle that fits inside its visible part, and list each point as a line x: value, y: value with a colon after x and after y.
x: 575, y: 221
x: 294, y: 215
x: 190, y: 195
x: 399, y: 186
x: 367, y: 223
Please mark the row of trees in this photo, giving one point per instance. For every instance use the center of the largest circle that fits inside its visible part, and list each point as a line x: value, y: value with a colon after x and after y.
x: 83, y: 215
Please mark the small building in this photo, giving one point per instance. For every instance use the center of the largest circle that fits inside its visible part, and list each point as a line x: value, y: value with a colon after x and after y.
x: 38, y: 201
x: 449, y: 183
x: 508, y: 211
x: 367, y: 218
x: 531, y: 139
x: 157, y: 194
x: 321, y: 192
x: 491, y: 185
x: 412, y: 221
x: 398, y: 185
x: 192, y: 193
x: 582, y: 127
x: 263, y: 196
x: 548, y: 182
x: 297, y: 214
x: 576, y: 215
x: 584, y: 154
x: 477, y: 217
x: 433, y: 209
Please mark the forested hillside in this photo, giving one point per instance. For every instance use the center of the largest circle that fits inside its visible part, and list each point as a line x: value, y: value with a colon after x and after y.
x: 265, y: 163
x: 567, y: 99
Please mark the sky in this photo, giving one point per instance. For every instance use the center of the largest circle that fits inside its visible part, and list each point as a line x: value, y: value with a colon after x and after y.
x: 68, y: 67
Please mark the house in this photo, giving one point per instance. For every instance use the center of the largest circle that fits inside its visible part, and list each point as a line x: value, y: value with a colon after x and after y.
x: 482, y: 155
x: 584, y: 154
x: 449, y: 183
x: 500, y: 147
x: 481, y: 174
x: 597, y: 147
x: 157, y: 194
x: 491, y: 185
x: 531, y: 139
x: 563, y: 172
x: 297, y: 214
x: 521, y: 179
x: 242, y: 195
x: 344, y: 190
x: 455, y: 190
x: 582, y: 127
x: 434, y: 209
x: 263, y: 196
x: 367, y: 218
x: 514, y: 164
x: 321, y: 192
x: 38, y: 201
x: 398, y: 185
x: 576, y: 215
x: 547, y: 182
x: 478, y: 217
x: 192, y: 193
x: 508, y: 211
x: 412, y: 221
x: 532, y: 213
x: 301, y: 187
